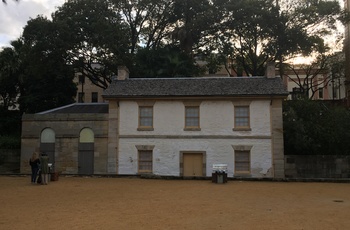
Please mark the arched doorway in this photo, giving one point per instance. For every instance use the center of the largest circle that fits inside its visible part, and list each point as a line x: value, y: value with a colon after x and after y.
x: 86, y: 152
x: 47, y: 144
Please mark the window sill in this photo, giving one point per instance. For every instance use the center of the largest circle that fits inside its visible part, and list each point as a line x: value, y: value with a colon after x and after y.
x: 192, y: 129
x: 145, y: 129
x: 241, y: 129
x: 242, y: 174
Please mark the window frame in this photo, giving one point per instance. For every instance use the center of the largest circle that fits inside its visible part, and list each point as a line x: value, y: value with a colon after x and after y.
x: 192, y: 128
x: 139, y: 161
x: 244, y: 172
x: 94, y: 97
x: 145, y: 127
x: 81, y: 97
x: 235, y: 117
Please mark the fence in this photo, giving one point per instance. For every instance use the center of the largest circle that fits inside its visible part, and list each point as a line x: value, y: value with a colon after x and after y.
x: 317, y: 166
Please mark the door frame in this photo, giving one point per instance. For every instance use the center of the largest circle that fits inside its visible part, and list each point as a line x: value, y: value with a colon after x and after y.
x: 204, y: 161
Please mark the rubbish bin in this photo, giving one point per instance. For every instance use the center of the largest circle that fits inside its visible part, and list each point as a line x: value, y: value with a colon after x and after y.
x: 219, y: 174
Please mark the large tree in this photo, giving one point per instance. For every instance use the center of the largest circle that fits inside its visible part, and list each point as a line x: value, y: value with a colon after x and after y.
x: 46, y: 79
x: 9, y: 66
x: 255, y: 32
x: 95, y: 38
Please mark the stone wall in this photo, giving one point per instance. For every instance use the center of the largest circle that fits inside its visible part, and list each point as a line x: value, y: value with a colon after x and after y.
x: 67, y: 129
x: 317, y: 166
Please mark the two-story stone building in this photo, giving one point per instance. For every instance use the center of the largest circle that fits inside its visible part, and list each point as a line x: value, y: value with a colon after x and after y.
x: 167, y: 127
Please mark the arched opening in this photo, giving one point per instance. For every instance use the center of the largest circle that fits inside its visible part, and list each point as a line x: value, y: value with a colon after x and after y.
x: 47, y: 144
x: 86, y: 152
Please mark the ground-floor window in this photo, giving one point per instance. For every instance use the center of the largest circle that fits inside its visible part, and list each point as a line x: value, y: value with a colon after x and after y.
x: 242, y: 161
x: 145, y: 161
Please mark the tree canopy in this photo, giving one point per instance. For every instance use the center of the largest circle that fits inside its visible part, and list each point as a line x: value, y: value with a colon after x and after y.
x: 164, y: 38
x: 314, y: 127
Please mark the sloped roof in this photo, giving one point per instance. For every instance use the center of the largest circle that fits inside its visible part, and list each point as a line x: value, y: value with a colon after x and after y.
x: 184, y: 87
x: 80, y: 108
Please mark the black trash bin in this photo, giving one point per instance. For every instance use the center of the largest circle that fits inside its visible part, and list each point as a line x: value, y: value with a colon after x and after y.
x: 219, y: 174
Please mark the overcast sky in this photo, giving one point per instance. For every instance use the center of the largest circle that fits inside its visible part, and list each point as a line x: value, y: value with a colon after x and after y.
x: 14, y: 16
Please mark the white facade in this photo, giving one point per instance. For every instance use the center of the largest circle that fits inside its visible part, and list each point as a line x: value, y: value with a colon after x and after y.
x: 216, y: 138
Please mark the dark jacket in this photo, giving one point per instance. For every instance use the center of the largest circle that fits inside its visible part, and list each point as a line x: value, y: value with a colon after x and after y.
x: 34, y: 164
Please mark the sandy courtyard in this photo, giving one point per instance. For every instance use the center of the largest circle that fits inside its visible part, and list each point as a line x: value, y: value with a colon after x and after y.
x: 133, y: 203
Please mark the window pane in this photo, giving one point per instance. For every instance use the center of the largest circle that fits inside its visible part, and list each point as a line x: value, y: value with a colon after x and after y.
x: 242, y: 116
x: 145, y: 161
x: 146, y: 116
x: 242, y: 161
x: 192, y: 116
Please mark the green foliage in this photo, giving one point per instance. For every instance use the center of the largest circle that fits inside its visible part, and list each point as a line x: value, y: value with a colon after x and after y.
x: 313, y: 127
x: 10, y: 129
x: 164, y: 62
x: 8, y: 78
x: 10, y: 142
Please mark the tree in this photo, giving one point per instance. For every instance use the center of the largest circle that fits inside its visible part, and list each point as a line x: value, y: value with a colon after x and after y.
x: 164, y: 62
x: 313, y: 77
x: 313, y: 127
x: 94, y: 37
x: 8, y: 78
x: 46, y: 78
x: 255, y: 32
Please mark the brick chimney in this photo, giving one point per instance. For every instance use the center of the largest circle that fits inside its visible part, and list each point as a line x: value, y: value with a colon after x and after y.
x: 270, y: 70
x: 123, y: 73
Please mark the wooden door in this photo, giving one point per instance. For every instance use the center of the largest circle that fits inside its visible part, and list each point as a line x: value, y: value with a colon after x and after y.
x: 86, y: 159
x: 193, y: 164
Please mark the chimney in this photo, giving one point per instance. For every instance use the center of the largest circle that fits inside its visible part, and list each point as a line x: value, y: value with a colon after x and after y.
x: 123, y: 73
x: 270, y: 70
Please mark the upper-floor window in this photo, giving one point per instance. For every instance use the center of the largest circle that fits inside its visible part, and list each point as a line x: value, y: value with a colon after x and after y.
x: 81, y: 97
x: 242, y: 118
x: 81, y: 79
x: 145, y: 118
x: 94, y: 97
x: 320, y: 93
x: 192, y: 117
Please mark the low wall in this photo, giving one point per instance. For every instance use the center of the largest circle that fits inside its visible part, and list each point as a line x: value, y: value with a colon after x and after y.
x: 317, y: 166
x: 10, y: 161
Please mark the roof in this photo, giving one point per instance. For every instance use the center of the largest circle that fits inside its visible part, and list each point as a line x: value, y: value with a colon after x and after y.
x: 185, y: 87
x: 80, y: 108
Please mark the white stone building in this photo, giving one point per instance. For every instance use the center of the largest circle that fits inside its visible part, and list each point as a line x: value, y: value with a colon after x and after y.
x: 167, y: 127
x: 181, y: 127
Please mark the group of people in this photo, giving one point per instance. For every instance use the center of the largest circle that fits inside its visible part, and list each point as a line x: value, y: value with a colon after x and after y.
x: 40, y: 168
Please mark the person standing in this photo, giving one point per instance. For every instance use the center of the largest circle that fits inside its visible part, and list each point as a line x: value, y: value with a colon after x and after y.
x: 44, y: 163
x: 34, y: 163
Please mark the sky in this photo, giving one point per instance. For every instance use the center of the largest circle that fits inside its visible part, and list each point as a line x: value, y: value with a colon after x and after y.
x: 14, y: 16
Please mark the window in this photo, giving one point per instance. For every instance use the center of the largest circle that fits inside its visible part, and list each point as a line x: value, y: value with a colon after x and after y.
x: 81, y: 97
x: 242, y: 161
x: 192, y: 117
x: 81, y: 79
x: 146, y: 118
x: 320, y: 93
x: 242, y: 118
x: 145, y: 161
x: 94, y: 97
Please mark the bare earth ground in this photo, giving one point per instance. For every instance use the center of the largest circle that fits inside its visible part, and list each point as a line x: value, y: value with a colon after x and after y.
x: 133, y: 203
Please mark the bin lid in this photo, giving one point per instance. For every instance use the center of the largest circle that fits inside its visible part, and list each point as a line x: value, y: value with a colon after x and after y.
x: 220, y: 167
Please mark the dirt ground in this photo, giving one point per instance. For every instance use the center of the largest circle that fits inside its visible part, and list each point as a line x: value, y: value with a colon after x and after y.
x: 133, y: 203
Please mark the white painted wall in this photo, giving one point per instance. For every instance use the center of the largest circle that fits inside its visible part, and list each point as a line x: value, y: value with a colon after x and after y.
x: 216, y: 119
